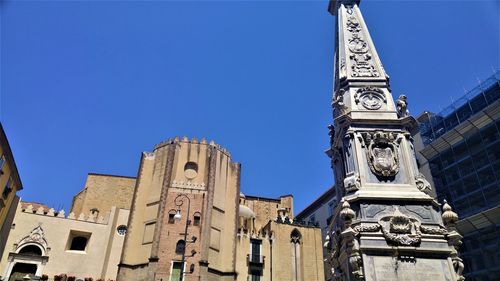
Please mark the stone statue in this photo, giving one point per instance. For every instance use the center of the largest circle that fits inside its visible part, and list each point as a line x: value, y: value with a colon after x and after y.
x: 402, y: 106
x: 338, y: 102
x: 331, y: 133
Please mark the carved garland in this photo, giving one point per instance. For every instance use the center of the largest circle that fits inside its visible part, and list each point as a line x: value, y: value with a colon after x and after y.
x: 432, y: 230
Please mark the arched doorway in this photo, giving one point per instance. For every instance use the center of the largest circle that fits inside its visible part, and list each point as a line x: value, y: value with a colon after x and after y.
x: 29, y: 257
x: 22, y: 269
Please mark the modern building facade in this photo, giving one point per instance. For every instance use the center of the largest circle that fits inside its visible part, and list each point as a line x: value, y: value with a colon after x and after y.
x: 389, y: 226
x: 189, y: 221
x: 320, y: 213
x: 462, y: 150
x: 10, y: 184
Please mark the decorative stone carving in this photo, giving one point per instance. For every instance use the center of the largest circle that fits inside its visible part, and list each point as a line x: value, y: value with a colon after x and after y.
x: 331, y: 133
x: 36, y: 236
x: 362, y: 66
x: 450, y: 219
x: 355, y: 261
x: 338, y: 102
x: 402, y: 106
x: 361, y: 59
x: 433, y: 230
x: 61, y: 214
x: 371, y: 98
x: 352, y: 182
x: 353, y: 24
x: 342, y: 71
x: 367, y: 228
x: 357, y: 45
x: 401, y: 229
x: 346, y: 213
x: 381, y: 153
x: 422, y: 184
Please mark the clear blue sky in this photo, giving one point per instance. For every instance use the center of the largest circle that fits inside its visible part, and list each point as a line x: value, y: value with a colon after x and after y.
x: 86, y: 86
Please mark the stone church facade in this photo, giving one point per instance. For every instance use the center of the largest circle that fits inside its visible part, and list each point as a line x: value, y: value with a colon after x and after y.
x: 126, y: 228
x: 230, y: 236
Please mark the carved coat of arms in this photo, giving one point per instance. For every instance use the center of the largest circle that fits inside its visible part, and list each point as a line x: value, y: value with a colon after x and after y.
x: 382, y: 153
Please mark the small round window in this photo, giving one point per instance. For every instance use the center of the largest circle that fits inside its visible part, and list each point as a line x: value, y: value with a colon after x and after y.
x: 191, y: 170
x: 122, y: 230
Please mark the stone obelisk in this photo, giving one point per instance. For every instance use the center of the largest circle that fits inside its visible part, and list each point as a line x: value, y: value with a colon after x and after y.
x: 387, y: 226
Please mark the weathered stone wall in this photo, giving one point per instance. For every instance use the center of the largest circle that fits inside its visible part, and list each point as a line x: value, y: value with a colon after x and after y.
x: 102, y: 192
x: 205, y: 174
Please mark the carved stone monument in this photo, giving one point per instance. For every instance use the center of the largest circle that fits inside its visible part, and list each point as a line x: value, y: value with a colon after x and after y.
x: 387, y: 227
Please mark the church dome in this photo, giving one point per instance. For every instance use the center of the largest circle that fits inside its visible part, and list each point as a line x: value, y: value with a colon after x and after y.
x: 246, y: 212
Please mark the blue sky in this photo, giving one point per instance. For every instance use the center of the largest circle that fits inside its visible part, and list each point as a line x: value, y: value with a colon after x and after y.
x: 86, y: 86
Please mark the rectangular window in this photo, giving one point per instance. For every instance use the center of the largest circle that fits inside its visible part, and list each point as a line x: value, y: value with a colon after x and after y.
x: 330, y: 209
x: 466, y: 167
x: 486, y: 176
x: 255, y: 250
x: 196, y: 220
x: 176, y: 271
x: 312, y: 220
x: 8, y: 188
x: 480, y: 160
x: 78, y: 241
x: 2, y: 162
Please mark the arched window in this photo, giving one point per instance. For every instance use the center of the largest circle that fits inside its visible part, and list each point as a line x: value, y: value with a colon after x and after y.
x: 197, y: 219
x: 31, y: 250
x: 295, y: 239
x: 180, y: 247
x: 190, y: 170
x: 171, y: 216
x: 79, y: 243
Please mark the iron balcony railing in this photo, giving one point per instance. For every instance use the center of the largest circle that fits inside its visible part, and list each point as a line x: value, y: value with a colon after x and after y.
x: 255, y: 259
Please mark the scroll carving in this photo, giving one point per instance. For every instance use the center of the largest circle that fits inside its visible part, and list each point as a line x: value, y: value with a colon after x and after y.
x: 352, y: 182
x: 422, y: 184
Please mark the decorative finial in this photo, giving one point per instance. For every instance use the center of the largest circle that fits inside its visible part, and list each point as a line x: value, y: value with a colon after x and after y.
x: 449, y: 217
x: 346, y: 213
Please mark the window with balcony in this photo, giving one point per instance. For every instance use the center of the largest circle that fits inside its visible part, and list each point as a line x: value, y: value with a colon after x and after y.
x: 255, y: 251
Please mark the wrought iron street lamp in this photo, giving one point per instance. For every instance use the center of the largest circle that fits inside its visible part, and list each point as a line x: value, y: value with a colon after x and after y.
x: 179, y: 201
